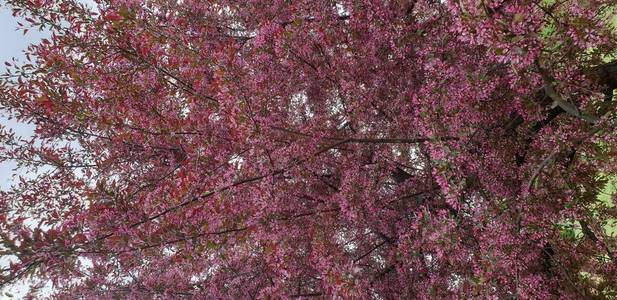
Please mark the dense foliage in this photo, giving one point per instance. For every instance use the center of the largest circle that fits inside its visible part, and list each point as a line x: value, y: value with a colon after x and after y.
x: 338, y: 149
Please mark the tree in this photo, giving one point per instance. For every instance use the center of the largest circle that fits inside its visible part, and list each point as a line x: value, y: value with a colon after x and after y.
x: 283, y: 149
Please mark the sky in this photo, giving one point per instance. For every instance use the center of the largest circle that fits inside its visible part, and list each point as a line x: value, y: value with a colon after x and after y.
x: 12, y: 45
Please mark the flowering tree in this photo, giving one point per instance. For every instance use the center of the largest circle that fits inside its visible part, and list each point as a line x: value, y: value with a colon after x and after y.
x: 348, y: 149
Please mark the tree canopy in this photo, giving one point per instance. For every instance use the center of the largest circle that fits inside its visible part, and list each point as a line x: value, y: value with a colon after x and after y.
x: 294, y: 149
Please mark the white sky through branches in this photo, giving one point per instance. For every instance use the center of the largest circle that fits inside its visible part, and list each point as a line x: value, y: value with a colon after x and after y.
x: 13, y: 45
